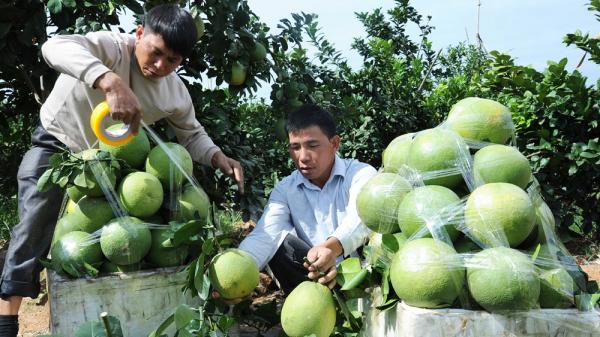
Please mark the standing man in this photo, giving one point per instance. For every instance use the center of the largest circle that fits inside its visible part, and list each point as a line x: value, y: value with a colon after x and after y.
x: 312, y: 212
x: 136, y: 75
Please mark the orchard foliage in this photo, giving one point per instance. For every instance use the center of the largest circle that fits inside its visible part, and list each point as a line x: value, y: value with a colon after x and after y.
x: 404, y: 85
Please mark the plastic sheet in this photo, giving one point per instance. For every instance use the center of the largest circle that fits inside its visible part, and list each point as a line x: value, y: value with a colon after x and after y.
x: 126, y: 215
x: 485, y: 247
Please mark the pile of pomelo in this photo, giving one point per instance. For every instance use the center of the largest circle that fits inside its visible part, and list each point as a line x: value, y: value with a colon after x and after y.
x: 119, y: 221
x: 478, y: 233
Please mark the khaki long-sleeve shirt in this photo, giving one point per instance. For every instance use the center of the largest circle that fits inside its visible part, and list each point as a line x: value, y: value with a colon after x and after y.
x: 81, y: 60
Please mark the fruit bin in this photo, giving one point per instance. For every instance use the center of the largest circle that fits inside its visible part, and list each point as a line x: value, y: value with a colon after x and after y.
x: 141, y: 300
x: 407, y: 321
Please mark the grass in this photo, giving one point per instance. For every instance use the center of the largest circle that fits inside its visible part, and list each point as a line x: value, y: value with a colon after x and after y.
x: 8, y: 216
x: 227, y: 220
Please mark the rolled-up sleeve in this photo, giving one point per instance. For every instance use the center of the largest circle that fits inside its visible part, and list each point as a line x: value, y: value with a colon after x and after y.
x: 351, y: 232
x: 270, y: 231
x: 83, y: 57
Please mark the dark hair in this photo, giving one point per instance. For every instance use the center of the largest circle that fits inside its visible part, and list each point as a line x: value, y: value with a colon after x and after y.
x: 175, y: 25
x: 311, y: 115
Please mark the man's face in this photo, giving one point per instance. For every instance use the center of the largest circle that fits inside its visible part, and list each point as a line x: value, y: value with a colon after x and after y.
x: 313, y: 153
x: 154, y: 58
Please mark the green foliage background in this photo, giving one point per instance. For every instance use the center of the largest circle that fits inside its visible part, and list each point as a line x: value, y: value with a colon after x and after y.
x: 403, y: 86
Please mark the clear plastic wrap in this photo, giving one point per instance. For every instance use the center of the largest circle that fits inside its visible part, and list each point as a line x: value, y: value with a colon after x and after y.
x: 485, y: 248
x: 123, y: 209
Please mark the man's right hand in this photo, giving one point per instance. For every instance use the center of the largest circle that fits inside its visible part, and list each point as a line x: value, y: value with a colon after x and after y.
x: 122, y: 102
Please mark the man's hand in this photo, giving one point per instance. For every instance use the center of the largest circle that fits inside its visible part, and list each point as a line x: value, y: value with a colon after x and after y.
x: 229, y: 167
x: 322, y: 265
x: 122, y: 102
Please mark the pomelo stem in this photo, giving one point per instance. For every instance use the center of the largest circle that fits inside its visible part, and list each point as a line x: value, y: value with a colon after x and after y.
x: 104, y: 317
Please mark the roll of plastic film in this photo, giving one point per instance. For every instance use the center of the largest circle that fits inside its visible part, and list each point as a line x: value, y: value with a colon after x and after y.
x: 99, y: 122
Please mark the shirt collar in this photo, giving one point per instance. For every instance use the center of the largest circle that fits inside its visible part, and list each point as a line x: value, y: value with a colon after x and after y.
x: 339, y: 169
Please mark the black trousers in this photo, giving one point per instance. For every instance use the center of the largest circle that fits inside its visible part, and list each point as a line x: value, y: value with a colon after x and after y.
x: 287, y: 263
x: 31, y: 237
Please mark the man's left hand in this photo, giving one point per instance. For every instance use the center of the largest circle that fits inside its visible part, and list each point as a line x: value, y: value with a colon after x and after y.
x: 322, y: 261
x: 229, y: 167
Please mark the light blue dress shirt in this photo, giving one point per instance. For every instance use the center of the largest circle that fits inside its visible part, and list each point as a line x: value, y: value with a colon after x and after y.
x: 314, y: 214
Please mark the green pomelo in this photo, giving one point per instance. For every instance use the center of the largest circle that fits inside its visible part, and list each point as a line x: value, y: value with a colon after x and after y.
x: 395, y: 154
x: 238, y: 74
x: 162, y: 164
x: 503, y: 279
x: 109, y: 267
x: 70, y: 206
x: 133, y: 152
x: 557, y: 289
x: 92, y: 213
x: 481, y: 119
x: 428, y: 206
x: 501, y: 164
x: 233, y: 273
x: 279, y: 131
x: 308, y: 310
x: 437, y: 154
x: 73, y: 250
x: 66, y: 224
x: 427, y: 273
x: 161, y: 256
x: 141, y: 194
x: 74, y: 193
x: 259, y: 52
x: 499, y: 214
x: 378, y: 200
x: 125, y: 240
x: 193, y: 203
x: 545, y: 225
x: 97, y: 174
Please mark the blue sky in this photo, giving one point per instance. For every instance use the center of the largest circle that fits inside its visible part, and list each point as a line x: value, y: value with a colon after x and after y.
x: 529, y: 30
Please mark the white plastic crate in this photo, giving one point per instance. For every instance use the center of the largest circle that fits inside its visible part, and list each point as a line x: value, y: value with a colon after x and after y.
x: 140, y: 300
x: 407, y: 321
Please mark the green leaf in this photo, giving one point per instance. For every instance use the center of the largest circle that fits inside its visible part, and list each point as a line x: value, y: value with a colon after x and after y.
x: 349, y: 265
x: 183, y: 316
x: 54, y: 6
x: 204, y: 291
x: 208, y: 245
x: 69, y: 3
x: 225, y: 322
x: 356, y: 280
x: 390, y: 242
x: 198, y: 272
x: 81, y: 180
x: 90, y: 270
x: 185, y: 231
x: 388, y: 304
x: 163, y: 326
x: 44, y: 184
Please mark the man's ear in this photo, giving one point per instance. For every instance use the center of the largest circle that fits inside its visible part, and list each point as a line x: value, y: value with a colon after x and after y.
x: 139, y: 32
x: 335, y: 141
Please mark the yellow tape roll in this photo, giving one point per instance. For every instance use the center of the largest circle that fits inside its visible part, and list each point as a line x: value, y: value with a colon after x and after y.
x: 98, y: 121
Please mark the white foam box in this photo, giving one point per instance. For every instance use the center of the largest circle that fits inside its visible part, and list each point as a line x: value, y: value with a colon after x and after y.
x: 407, y: 321
x: 141, y: 300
